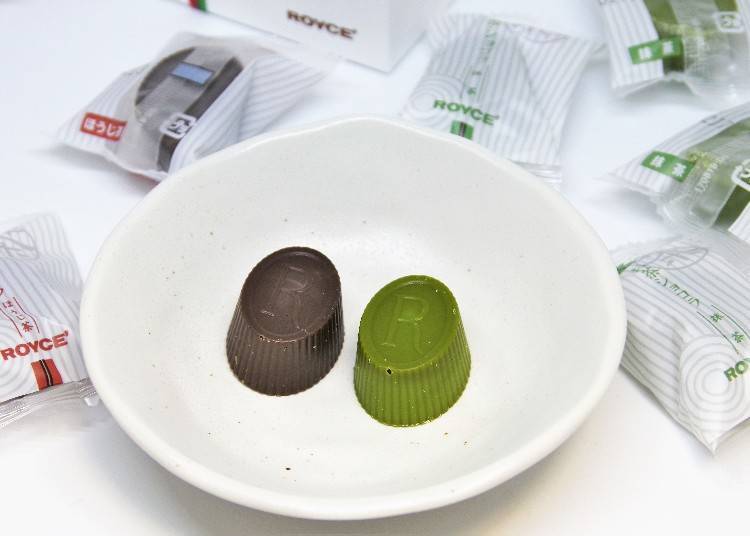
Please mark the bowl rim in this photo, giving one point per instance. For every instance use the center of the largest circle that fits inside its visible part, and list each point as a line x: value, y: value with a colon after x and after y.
x: 341, y: 508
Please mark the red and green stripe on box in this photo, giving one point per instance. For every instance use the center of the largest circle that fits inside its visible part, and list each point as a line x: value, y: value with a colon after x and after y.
x: 198, y: 4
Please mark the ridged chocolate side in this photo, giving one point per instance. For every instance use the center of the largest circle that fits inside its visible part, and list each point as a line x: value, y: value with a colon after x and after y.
x: 287, y: 329
x: 283, y: 368
x: 428, y: 391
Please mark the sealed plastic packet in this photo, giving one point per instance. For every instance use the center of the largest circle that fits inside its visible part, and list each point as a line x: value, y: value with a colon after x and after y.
x: 699, y: 177
x: 506, y: 86
x: 703, y: 43
x: 200, y: 95
x: 40, y: 291
x: 688, y: 337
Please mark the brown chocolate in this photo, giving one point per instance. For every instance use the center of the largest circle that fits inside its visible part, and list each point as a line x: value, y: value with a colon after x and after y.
x: 287, y: 330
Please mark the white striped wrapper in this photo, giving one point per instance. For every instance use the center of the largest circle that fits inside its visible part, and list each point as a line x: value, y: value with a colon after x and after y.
x: 522, y: 77
x: 628, y: 23
x: 40, y: 291
x: 270, y: 82
x: 688, y: 337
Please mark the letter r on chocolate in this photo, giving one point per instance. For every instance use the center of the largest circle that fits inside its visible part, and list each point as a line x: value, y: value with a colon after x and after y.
x: 405, y: 315
x: 292, y: 282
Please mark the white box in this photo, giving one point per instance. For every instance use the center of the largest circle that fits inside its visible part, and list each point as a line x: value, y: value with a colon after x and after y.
x: 373, y: 32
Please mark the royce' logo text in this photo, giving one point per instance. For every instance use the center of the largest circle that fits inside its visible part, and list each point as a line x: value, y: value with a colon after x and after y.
x: 330, y: 27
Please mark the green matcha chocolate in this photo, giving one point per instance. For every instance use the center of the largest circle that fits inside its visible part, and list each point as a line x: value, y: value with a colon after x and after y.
x: 413, y: 360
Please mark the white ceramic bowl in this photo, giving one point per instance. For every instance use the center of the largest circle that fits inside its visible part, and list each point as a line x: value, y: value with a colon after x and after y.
x: 540, y: 299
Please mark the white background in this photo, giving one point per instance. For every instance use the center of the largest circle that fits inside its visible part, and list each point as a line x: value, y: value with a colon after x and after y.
x: 628, y: 470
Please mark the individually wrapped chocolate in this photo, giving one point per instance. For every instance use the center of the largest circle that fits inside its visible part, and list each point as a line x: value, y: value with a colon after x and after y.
x: 688, y: 336
x: 700, y: 177
x: 703, y: 43
x: 40, y: 292
x: 505, y: 86
x: 199, y: 95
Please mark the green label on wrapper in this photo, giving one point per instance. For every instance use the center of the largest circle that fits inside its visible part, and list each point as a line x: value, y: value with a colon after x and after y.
x: 660, y: 49
x: 668, y: 164
x: 462, y: 129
